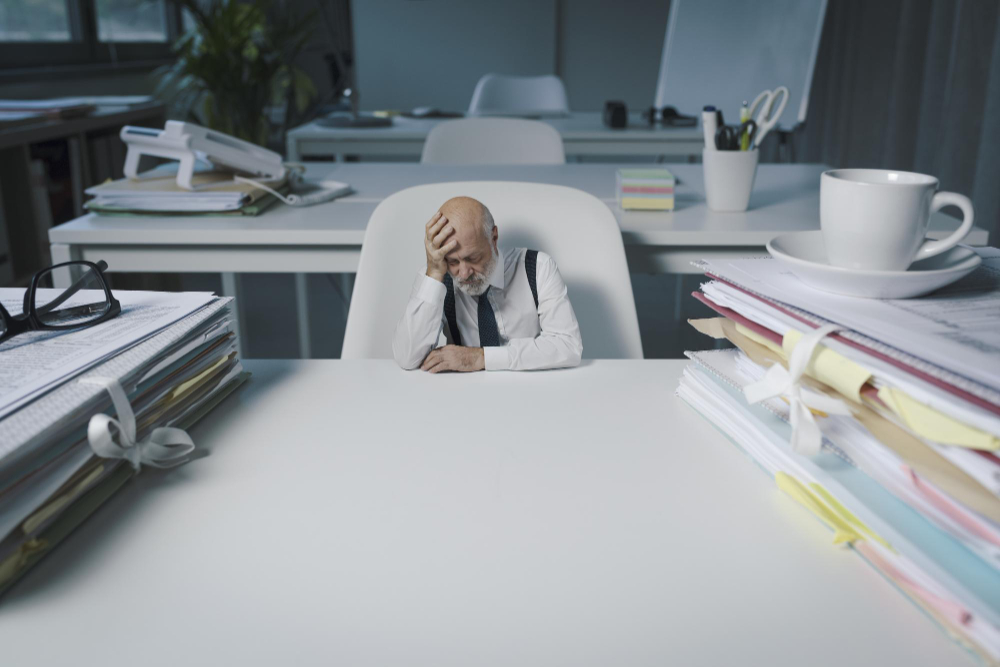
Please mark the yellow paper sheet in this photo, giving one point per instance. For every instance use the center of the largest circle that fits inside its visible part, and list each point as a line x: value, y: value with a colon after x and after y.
x: 760, y: 340
x: 933, y: 425
x: 831, y: 368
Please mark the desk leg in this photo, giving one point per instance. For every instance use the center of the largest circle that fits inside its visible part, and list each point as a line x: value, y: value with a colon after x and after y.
x: 292, y: 150
x: 231, y: 287
x: 347, y: 290
x: 302, y: 309
x: 62, y: 252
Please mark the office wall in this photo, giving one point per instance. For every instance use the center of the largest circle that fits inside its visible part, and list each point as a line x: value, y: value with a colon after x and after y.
x: 432, y: 52
x: 610, y: 51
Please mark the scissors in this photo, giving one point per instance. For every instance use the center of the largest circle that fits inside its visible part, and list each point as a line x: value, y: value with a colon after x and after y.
x: 770, y: 112
x: 727, y: 137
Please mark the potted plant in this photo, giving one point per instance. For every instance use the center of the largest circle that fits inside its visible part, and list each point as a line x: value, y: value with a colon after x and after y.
x: 235, y: 64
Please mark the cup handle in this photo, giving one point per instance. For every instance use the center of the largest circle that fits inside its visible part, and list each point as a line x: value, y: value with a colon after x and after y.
x: 940, y: 200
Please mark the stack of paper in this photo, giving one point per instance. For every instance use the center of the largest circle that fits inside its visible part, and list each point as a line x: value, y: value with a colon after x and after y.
x: 645, y: 189
x: 171, y: 357
x: 157, y: 192
x: 906, y: 398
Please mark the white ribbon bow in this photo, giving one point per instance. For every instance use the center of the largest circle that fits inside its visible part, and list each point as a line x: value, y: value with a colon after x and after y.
x: 165, y: 447
x: 807, y: 438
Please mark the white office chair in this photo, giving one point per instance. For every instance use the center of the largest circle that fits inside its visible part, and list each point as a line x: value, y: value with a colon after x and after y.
x: 501, y: 95
x: 493, y: 141
x: 578, y: 230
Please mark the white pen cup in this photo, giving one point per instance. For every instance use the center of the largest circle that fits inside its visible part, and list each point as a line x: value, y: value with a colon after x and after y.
x: 729, y: 177
x: 877, y: 219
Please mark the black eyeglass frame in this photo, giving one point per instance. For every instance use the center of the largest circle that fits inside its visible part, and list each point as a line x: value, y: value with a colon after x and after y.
x: 29, y: 319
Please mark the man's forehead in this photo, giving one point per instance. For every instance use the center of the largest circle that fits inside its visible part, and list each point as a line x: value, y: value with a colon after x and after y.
x: 466, y: 249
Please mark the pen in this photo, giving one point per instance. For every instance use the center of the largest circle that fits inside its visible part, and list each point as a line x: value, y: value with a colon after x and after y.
x: 709, y: 124
x: 745, y: 136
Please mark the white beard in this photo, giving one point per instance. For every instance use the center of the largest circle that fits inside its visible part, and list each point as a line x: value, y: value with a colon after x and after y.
x: 478, y: 282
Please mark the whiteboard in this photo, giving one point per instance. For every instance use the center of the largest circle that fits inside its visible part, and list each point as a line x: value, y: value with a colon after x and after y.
x: 721, y: 52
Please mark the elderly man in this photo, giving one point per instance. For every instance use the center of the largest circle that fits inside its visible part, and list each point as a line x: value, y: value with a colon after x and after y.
x: 510, y: 311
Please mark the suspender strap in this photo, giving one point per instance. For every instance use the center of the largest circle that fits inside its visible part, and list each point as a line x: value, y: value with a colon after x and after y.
x: 449, y: 310
x: 531, y: 270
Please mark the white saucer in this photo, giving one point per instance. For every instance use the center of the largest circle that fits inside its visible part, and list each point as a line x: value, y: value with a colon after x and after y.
x: 804, y: 255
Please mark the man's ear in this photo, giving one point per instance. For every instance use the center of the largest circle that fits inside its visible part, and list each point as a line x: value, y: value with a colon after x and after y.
x: 495, y: 237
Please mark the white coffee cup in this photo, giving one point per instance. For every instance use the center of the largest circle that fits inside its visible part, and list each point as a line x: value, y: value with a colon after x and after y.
x: 877, y: 218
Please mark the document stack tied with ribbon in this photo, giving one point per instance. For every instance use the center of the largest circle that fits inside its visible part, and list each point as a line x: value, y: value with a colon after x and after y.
x: 881, y: 417
x: 82, y: 411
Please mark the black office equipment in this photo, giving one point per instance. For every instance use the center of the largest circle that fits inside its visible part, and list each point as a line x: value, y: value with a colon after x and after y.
x: 668, y: 116
x: 615, y: 114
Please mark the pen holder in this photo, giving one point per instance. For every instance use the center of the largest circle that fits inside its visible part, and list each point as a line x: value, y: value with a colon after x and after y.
x: 729, y: 177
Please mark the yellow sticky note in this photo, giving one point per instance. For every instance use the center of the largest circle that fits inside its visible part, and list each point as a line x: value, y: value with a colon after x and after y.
x: 847, y: 515
x: 933, y: 425
x: 843, y: 531
x: 831, y: 368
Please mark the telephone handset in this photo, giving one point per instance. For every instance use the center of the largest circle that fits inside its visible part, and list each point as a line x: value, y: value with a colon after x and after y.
x: 182, y: 141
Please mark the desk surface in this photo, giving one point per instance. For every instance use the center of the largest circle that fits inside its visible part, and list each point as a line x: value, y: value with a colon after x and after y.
x: 352, y: 513
x: 785, y: 198
x: 580, y: 125
x: 103, y: 117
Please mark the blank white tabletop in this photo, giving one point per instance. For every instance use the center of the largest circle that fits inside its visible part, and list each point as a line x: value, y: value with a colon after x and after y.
x: 785, y: 199
x: 350, y: 513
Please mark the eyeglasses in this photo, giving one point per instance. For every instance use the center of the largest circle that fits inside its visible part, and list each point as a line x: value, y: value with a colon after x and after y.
x: 86, y: 302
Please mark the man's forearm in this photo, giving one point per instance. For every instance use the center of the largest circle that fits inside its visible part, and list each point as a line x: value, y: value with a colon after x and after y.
x: 419, y: 329
x: 545, y: 351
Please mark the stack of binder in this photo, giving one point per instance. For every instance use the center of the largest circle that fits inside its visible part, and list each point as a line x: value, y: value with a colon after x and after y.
x: 157, y: 193
x: 889, y: 436
x: 89, y: 409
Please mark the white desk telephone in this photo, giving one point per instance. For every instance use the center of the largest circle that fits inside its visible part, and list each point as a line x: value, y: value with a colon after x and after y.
x: 187, y: 142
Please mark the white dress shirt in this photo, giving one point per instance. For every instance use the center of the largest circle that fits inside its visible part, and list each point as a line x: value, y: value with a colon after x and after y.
x: 531, y: 339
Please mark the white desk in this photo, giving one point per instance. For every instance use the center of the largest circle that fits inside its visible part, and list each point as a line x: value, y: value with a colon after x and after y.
x: 606, y: 523
x: 327, y: 238
x: 583, y: 134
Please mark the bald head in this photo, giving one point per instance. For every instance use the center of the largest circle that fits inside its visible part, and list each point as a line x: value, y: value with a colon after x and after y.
x: 476, y: 252
x: 468, y: 216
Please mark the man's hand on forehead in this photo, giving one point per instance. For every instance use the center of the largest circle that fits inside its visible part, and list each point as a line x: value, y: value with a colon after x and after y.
x: 438, y: 242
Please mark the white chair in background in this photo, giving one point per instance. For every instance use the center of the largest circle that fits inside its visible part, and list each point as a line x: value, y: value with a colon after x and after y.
x: 578, y: 230
x: 501, y: 95
x: 493, y: 141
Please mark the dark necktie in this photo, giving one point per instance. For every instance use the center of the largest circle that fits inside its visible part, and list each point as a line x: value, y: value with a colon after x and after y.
x: 489, y: 335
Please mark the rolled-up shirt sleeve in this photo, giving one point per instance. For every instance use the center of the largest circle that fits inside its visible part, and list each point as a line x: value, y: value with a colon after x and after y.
x: 559, y: 344
x: 419, y: 329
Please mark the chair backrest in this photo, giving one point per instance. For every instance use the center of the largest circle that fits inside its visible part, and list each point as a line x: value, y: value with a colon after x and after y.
x: 502, y: 95
x: 493, y: 141
x: 578, y: 230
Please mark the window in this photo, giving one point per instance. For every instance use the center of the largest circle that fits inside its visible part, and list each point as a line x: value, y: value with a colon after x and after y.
x: 36, y: 33
x: 131, y: 21
x: 34, y: 21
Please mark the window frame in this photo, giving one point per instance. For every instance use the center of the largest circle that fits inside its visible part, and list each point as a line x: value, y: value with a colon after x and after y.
x: 85, y: 49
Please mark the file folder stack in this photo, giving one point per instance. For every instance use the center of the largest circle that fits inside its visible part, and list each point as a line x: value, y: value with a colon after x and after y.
x: 166, y: 361
x: 904, y: 397
x: 645, y: 189
x: 157, y: 193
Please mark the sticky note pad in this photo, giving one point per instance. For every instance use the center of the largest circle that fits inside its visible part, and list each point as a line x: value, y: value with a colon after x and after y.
x: 645, y: 189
